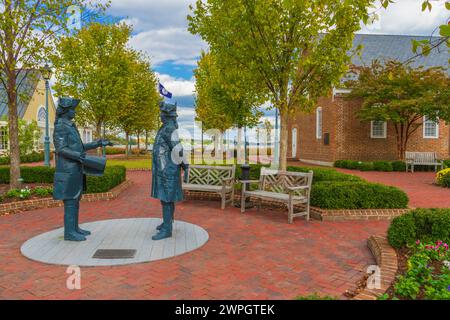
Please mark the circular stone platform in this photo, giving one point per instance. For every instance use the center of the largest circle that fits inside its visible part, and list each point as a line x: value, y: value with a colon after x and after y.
x: 123, y: 234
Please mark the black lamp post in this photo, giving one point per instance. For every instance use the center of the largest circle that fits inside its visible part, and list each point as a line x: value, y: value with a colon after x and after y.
x: 47, y: 75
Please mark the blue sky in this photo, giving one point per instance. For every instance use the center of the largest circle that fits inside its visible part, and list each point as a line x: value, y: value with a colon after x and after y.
x: 161, y: 31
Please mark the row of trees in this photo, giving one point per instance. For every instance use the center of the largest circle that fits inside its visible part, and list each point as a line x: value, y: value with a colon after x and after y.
x: 289, y: 52
x: 115, y: 83
x: 28, y: 33
x: 93, y: 64
x: 225, y: 97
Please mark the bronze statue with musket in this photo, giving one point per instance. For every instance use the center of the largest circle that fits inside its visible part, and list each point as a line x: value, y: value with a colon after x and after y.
x: 72, y: 166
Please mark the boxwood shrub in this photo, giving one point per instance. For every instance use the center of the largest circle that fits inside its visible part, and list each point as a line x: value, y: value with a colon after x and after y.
x: 114, y: 151
x: 30, y: 174
x: 427, y: 225
x: 386, y: 166
x: 357, y: 195
x: 113, y: 176
x: 26, y: 158
x: 382, y: 166
x: 321, y: 174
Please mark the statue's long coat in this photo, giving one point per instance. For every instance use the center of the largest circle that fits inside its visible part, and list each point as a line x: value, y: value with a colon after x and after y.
x: 69, y: 180
x: 166, y: 175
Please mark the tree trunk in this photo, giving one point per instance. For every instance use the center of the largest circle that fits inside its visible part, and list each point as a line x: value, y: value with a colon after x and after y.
x: 11, y: 90
x: 98, y: 132
x: 240, y: 158
x: 284, y: 139
x: 146, y: 140
x: 127, y: 144
x: 138, y: 142
x: 13, y: 123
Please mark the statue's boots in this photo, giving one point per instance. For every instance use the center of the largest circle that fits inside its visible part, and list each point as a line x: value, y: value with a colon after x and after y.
x: 77, y: 228
x: 172, y: 205
x: 70, y: 212
x: 166, y: 229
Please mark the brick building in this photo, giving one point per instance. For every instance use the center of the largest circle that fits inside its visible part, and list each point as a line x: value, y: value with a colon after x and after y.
x: 333, y: 132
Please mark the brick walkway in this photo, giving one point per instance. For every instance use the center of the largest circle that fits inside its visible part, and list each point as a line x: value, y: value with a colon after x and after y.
x: 251, y: 256
x: 419, y: 186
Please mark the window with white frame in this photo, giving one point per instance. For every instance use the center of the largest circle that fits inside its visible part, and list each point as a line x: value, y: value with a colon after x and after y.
x: 378, y: 129
x: 41, y: 114
x: 430, y: 128
x: 319, y: 122
x: 4, y: 138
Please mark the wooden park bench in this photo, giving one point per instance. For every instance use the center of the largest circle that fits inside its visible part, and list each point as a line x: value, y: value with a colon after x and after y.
x: 215, y: 179
x: 423, y: 159
x: 290, y: 188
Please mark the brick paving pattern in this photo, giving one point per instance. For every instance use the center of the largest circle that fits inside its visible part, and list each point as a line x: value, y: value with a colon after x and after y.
x: 251, y: 256
x: 419, y: 186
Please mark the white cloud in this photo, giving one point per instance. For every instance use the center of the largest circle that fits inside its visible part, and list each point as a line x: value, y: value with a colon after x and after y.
x: 160, y: 29
x: 406, y: 17
x: 171, y: 43
x: 177, y: 86
x: 161, y: 26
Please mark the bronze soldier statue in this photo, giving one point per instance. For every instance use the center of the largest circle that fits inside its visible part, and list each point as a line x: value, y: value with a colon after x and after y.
x: 72, y: 165
x: 166, y: 171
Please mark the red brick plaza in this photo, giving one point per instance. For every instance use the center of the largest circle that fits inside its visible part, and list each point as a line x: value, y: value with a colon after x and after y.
x: 419, y: 186
x: 251, y: 256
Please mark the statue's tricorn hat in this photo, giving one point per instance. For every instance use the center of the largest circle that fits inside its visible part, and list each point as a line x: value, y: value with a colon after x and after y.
x: 66, y: 102
x: 169, y: 110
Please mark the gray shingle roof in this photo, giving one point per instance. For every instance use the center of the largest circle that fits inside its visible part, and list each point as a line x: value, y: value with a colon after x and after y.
x: 398, y: 47
x: 25, y: 92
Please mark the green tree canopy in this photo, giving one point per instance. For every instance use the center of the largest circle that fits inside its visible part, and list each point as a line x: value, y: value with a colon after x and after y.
x: 28, y: 32
x: 297, y: 49
x: 93, y: 65
x: 224, y: 98
x: 402, y: 95
x: 140, y: 109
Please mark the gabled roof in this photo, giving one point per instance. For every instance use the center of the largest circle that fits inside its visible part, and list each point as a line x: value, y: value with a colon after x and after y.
x: 28, y: 81
x: 399, y: 47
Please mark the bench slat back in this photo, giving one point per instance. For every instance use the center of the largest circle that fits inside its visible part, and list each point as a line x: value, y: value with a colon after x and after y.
x: 422, y: 157
x: 210, y: 175
x: 278, y: 181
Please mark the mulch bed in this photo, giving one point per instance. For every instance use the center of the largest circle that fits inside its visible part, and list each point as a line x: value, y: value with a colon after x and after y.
x: 4, y: 188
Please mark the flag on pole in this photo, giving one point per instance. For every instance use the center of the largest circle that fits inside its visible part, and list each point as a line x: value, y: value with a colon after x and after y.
x: 163, y: 91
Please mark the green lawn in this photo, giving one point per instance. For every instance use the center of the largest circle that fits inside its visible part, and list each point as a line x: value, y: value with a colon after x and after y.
x: 132, y: 163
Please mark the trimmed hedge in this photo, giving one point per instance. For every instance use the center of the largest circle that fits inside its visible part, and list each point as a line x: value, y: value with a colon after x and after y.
x: 357, y: 195
x: 27, y: 158
x: 320, y: 174
x: 113, y: 176
x: 30, y: 174
x: 336, y: 190
x: 385, y: 166
x: 426, y: 225
x: 113, y: 151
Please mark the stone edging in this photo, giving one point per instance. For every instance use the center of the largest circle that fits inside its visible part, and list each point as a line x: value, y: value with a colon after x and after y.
x: 316, y: 213
x: 386, y: 259
x: 359, y: 214
x: 20, y: 206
